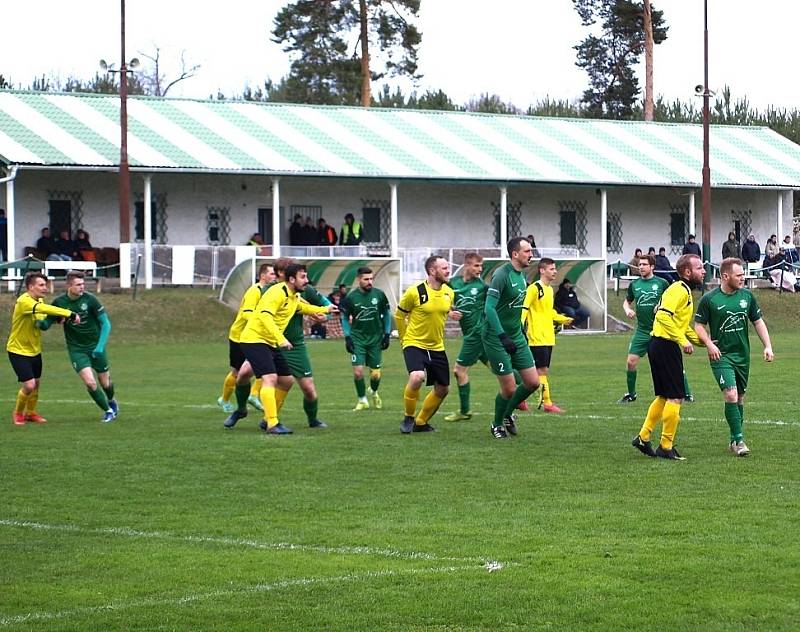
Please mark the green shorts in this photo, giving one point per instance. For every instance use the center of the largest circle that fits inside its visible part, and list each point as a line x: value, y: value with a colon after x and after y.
x: 82, y: 358
x: 638, y: 345
x: 730, y: 375
x: 298, y: 361
x: 472, y: 350
x: 500, y: 362
x: 366, y: 353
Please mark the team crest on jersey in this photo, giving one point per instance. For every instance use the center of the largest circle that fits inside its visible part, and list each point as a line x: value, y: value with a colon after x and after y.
x: 473, y: 291
x: 743, y: 303
x: 374, y: 300
x: 84, y: 307
x: 654, y: 286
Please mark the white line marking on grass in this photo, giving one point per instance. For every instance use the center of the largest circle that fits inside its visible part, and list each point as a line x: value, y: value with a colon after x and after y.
x: 253, y: 544
x: 216, y: 594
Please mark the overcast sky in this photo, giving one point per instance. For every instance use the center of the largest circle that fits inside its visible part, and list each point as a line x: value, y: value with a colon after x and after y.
x: 520, y: 50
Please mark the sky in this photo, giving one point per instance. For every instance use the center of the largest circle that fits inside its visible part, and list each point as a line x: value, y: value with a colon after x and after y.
x: 520, y: 50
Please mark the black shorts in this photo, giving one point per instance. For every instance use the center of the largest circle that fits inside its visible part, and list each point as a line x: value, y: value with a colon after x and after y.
x: 26, y: 367
x: 542, y: 356
x: 434, y: 363
x: 235, y: 355
x: 264, y: 360
x: 666, y: 366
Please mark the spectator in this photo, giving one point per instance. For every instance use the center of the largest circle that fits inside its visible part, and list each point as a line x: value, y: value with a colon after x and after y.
x: 326, y: 235
x: 84, y: 246
x: 256, y: 240
x: 566, y: 302
x: 46, y: 245
x: 791, y: 252
x: 691, y: 247
x: 66, y: 250
x: 3, y: 235
x: 633, y: 264
x: 336, y: 296
x: 782, y: 275
x: 296, y: 231
x: 664, y: 269
x: 351, y: 233
x: 532, y: 241
x: 771, y: 248
x: 797, y: 238
x: 308, y: 234
x: 651, y: 251
x: 751, y: 251
x: 731, y: 247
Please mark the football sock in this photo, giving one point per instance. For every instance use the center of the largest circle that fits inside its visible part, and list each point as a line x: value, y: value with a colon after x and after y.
x: 374, y: 379
x: 311, y: 409
x: 361, y: 388
x: 228, y: 386
x: 686, y: 385
x: 734, y: 418
x: 500, y: 406
x: 654, y: 414
x: 267, y: 396
x: 109, y: 391
x: 280, y: 397
x: 672, y: 417
x: 463, y: 397
x: 255, y: 388
x: 410, y: 399
x: 631, y: 378
x: 517, y: 378
x: 22, y: 402
x: 545, y: 398
x: 430, y: 405
x: 33, y: 399
x: 242, y: 393
x: 521, y: 393
x: 99, y: 398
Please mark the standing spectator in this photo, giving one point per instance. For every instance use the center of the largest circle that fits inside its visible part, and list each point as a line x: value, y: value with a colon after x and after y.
x: 796, y: 239
x: 664, y: 269
x: 296, y: 231
x: 771, y: 248
x: 566, y: 302
x: 66, y: 250
x: 691, y: 247
x: 751, y: 251
x: 532, y: 242
x: 3, y: 235
x: 790, y: 250
x: 84, y: 246
x: 326, y: 235
x: 46, y: 245
x: 351, y: 233
x: 731, y: 247
x: 309, y: 233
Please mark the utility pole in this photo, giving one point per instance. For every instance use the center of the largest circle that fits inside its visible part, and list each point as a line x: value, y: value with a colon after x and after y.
x: 706, y: 191
x: 124, y: 171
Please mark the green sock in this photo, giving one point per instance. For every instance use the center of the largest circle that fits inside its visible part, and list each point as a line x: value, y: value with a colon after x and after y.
x: 311, y: 408
x: 463, y: 397
x: 500, y: 405
x: 741, y: 413
x: 374, y: 383
x: 517, y: 378
x: 242, y: 393
x: 686, y: 385
x: 631, y: 377
x: 734, y: 419
x: 361, y: 388
x: 99, y: 398
x: 109, y: 391
x: 522, y: 393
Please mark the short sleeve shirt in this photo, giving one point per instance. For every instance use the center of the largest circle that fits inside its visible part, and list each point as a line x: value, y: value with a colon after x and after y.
x: 726, y: 316
x: 83, y: 336
x: 508, y: 286
x: 368, y: 310
x: 470, y: 300
x: 646, y: 293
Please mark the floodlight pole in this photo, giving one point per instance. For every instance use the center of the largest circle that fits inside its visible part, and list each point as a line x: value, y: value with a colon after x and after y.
x: 706, y: 191
x: 124, y: 170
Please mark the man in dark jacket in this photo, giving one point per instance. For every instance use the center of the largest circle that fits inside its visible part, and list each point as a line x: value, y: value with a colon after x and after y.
x: 691, y: 247
x: 326, y: 235
x: 567, y: 303
x: 731, y: 247
x: 664, y: 268
x: 296, y: 231
x: 751, y: 251
x: 352, y: 231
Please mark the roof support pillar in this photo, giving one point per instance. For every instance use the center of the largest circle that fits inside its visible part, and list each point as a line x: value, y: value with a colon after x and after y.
x: 11, y: 251
x: 276, y: 217
x: 393, y: 219
x: 603, y: 224
x: 692, y: 225
x: 503, y: 219
x: 148, y: 232
x: 779, y: 232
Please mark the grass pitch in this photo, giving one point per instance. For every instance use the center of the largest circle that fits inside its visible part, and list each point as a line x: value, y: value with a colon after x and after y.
x: 165, y: 520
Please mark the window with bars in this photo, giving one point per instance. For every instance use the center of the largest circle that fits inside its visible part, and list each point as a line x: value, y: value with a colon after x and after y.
x: 614, y: 233
x: 375, y: 220
x: 678, y: 228
x: 218, y: 225
x: 572, y: 224
x: 513, y: 220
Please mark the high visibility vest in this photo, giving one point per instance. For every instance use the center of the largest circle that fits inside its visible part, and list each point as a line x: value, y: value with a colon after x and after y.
x: 346, y: 233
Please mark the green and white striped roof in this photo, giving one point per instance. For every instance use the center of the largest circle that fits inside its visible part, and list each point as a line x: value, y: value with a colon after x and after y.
x: 75, y: 131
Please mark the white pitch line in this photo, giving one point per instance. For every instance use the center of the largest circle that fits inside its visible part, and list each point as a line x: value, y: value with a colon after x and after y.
x: 215, y: 594
x: 226, y: 541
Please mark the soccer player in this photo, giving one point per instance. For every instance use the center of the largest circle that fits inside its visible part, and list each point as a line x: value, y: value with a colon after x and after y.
x: 470, y: 298
x: 266, y: 275
x: 726, y: 310
x: 86, y: 342
x: 367, y: 335
x: 263, y: 343
x: 640, y: 302
x: 420, y: 315
x: 540, y: 317
x: 504, y: 340
x: 24, y: 345
x: 672, y: 333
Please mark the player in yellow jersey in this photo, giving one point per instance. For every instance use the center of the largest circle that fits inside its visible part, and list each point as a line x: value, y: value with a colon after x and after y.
x: 421, y: 314
x: 539, y: 316
x: 262, y: 341
x: 672, y: 333
x: 266, y: 275
x: 24, y: 345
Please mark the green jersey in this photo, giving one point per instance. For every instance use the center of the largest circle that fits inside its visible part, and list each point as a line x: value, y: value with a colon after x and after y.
x: 470, y: 299
x: 294, y: 329
x: 369, y: 312
x: 646, y: 293
x: 726, y: 316
x: 508, y: 287
x: 86, y: 335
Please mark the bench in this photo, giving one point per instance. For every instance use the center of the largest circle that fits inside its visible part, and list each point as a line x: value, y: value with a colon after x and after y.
x: 87, y: 267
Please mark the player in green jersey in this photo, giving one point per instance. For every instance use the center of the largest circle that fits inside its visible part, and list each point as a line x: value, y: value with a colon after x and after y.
x: 86, y: 342
x: 366, y: 335
x: 725, y: 311
x: 470, y: 290
x: 503, y: 339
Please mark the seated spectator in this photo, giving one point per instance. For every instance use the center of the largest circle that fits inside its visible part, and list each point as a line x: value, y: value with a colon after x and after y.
x: 782, y: 275
x: 256, y: 240
x: 66, y: 249
x: 731, y: 247
x: 532, y: 242
x: 691, y: 247
x: 664, y: 268
x: 791, y: 251
x: 84, y: 246
x: 751, y: 251
x: 326, y: 234
x: 336, y: 296
x: 46, y: 245
x: 771, y: 248
x: 567, y: 303
x: 633, y: 264
x: 318, y: 330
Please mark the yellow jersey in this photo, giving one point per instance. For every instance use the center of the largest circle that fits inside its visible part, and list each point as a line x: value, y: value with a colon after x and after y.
x: 247, y: 306
x: 674, y: 314
x: 421, y: 314
x: 25, y: 338
x: 539, y: 315
x: 273, y: 312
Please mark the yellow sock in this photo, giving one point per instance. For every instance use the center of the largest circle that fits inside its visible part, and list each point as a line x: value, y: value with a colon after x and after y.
x: 255, y: 388
x: 33, y: 399
x: 672, y: 417
x: 22, y: 402
x: 545, y: 390
x: 654, y: 414
x: 429, y: 406
x: 267, y: 396
x: 280, y: 397
x: 228, y: 386
x: 410, y: 399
